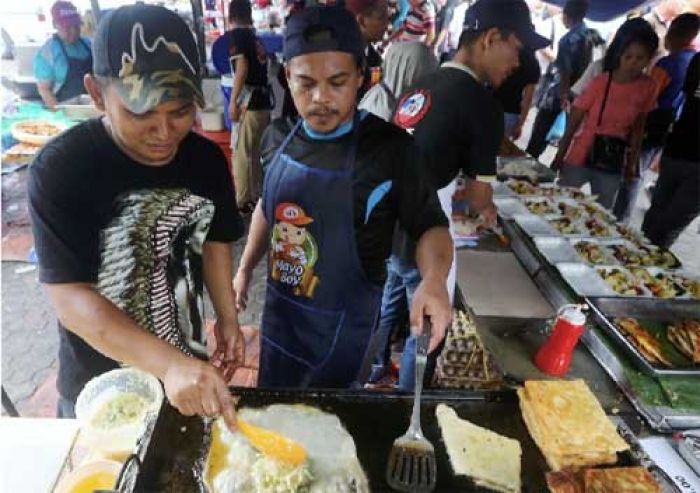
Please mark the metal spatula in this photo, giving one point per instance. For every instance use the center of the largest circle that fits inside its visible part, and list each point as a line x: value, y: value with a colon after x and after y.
x: 412, y: 465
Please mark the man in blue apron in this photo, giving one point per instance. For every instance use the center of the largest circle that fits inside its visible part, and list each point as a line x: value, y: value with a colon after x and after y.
x: 336, y: 182
x: 61, y: 64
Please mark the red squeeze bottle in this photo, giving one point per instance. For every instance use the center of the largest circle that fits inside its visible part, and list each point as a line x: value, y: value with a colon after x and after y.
x: 554, y: 357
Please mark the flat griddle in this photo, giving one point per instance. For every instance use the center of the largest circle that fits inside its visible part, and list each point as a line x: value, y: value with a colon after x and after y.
x: 174, y: 457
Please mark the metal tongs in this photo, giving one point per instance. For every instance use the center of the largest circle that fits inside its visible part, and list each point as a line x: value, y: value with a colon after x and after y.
x: 412, y: 465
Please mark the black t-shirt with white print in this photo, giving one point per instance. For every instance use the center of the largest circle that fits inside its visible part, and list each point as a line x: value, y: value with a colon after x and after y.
x: 131, y: 230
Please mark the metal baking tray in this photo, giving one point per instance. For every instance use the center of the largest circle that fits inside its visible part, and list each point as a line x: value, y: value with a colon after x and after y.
x: 556, y: 249
x: 583, y: 279
x: 643, y: 291
x: 534, y: 225
x: 528, y: 201
x: 608, y: 258
x: 682, y: 291
x: 606, y: 312
x: 500, y: 189
x: 594, y: 209
x: 612, y: 230
x: 581, y: 230
x: 509, y: 206
x: 539, y: 171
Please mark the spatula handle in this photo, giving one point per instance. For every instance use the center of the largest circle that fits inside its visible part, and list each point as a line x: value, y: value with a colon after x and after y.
x: 421, y: 361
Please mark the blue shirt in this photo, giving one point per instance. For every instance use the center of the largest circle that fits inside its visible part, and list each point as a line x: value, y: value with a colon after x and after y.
x: 675, y: 66
x: 51, y: 65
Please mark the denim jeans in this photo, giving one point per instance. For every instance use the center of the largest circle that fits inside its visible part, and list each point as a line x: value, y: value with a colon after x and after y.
x: 65, y: 408
x: 604, y: 185
x: 401, y: 282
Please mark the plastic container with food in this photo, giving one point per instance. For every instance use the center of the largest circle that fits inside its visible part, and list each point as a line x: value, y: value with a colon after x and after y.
x: 113, y: 410
x: 91, y: 476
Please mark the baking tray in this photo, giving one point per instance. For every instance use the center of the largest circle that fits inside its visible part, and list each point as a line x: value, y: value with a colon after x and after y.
x: 556, y: 249
x: 509, y: 206
x: 638, y: 249
x: 583, y: 279
x: 174, y: 460
x: 530, y: 201
x: 500, y: 189
x: 608, y: 258
x: 606, y: 311
x: 642, y: 291
x: 639, y: 273
x: 594, y: 209
x: 541, y: 172
x: 534, y: 225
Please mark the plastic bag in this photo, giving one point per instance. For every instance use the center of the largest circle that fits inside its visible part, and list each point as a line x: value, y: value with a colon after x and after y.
x: 558, y: 128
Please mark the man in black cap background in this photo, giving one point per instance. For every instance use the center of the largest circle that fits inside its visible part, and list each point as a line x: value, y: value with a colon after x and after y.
x: 454, y: 115
x: 336, y: 182
x: 133, y: 214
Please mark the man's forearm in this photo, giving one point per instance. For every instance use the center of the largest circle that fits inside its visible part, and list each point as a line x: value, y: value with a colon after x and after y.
x: 564, y: 86
x: 256, y: 246
x: 47, y: 95
x: 218, y: 276
x: 434, y: 253
x: 105, y: 327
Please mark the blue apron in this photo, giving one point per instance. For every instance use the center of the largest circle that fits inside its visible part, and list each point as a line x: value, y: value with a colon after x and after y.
x: 320, y: 308
x: 77, y: 68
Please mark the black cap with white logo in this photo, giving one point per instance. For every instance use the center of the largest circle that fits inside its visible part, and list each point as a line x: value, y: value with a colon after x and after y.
x: 506, y: 14
x: 150, y: 54
x: 318, y: 29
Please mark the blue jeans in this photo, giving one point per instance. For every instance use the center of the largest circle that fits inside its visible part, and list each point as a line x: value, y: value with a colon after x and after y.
x: 65, y: 408
x: 604, y: 185
x: 401, y: 282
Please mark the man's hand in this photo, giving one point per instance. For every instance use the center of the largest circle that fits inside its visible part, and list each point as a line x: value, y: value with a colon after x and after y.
x: 558, y: 162
x: 565, y: 105
x: 517, y: 131
x: 196, y: 387
x: 229, y: 354
x: 490, y: 215
x: 431, y: 300
x: 241, y: 283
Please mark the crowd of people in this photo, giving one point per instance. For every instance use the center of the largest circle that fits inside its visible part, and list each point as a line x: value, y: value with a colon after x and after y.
x: 349, y: 193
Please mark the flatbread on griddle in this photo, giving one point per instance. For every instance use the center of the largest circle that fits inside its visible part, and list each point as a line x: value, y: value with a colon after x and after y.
x: 490, y: 459
x: 619, y: 480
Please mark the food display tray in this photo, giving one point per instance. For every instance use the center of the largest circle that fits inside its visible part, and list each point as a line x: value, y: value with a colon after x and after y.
x: 509, y: 206
x: 583, y: 279
x: 605, y: 311
x: 535, y: 225
x: 654, y: 271
x: 174, y: 459
x: 609, y: 257
x: 556, y: 249
x: 644, y: 292
x: 542, y: 172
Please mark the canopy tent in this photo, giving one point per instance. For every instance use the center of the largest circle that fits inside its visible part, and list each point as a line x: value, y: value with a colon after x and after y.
x: 605, y: 10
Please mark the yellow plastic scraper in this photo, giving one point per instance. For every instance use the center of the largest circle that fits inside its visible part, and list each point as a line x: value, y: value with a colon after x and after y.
x: 273, y: 444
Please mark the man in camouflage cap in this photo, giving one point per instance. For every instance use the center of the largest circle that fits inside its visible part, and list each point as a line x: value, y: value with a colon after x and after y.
x: 133, y: 215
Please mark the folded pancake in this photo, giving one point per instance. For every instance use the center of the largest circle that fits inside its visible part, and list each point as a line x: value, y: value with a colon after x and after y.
x: 620, y: 479
x: 491, y: 460
x: 685, y: 336
x: 568, y: 424
x: 643, y: 340
x: 565, y: 482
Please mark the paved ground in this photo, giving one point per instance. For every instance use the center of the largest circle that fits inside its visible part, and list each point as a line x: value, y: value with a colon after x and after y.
x: 30, y: 340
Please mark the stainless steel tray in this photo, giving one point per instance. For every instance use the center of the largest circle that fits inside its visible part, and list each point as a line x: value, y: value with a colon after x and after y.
x: 683, y: 293
x: 509, y: 206
x: 556, y: 249
x: 608, y: 258
x: 643, y: 291
x: 531, y: 200
x: 534, y: 225
x: 606, y: 322
x: 583, y: 279
x: 500, y: 189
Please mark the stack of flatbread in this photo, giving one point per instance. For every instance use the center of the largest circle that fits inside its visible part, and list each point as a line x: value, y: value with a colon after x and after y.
x: 465, y: 362
x: 612, y: 480
x: 491, y: 460
x: 568, y: 424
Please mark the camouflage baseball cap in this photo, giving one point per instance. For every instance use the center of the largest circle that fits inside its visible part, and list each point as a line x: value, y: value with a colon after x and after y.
x: 150, y: 54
